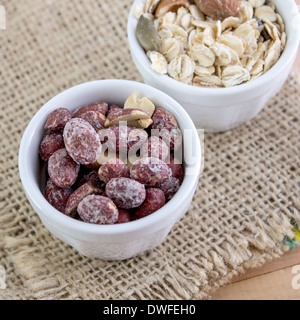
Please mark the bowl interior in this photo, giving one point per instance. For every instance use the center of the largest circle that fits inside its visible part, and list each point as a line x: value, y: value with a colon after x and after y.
x: 32, y: 170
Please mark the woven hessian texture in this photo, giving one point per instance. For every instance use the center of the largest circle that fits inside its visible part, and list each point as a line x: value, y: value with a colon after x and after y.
x: 248, y: 192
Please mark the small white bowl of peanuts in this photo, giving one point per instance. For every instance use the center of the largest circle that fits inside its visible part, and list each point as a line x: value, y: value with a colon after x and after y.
x: 110, y: 166
x: 221, y: 60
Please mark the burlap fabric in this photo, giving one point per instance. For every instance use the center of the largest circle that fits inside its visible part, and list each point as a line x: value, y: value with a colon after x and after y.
x: 248, y: 192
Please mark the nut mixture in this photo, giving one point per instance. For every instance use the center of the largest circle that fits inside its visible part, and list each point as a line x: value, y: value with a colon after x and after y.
x: 211, y: 43
x: 111, y: 165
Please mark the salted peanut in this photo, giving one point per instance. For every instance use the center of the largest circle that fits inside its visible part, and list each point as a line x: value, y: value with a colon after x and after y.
x: 132, y: 157
x: 62, y: 169
x: 116, y: 116
x: 94, y: 165
x: 76, y: 197
x: 172, y: 137
x: 166, y: 127
x: 95, y: 118
x: 155, y: 147
x: 150, y: 171
x: 126, y: 193
x: 176, y: 168
x: 58, y: 119
x: 51, y: 142
x: 124, y: 216
x: 165, y: 6
x: 92, y: 178
x: 169, y: 187
x: 113, y: 168
x: 155, y: 199
x: 98, y: 106
x: 98, y: 210
x: 113, y: 108
x: 57, y: 196
x: 163, y: 119
x: 82, y: 141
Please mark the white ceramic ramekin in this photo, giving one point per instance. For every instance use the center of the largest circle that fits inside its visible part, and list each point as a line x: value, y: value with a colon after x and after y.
x: 221, y: 109
x: 111, y: 242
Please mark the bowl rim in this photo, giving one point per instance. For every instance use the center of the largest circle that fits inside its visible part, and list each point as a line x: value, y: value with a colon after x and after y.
x: 56, y: 218
x: 140, y: 56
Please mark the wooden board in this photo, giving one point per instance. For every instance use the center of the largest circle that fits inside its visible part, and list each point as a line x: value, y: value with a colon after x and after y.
x: 277, y: 280
x: 274, y: 281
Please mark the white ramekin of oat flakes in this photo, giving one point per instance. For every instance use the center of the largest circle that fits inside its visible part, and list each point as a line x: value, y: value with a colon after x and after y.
x: 218, y: 109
